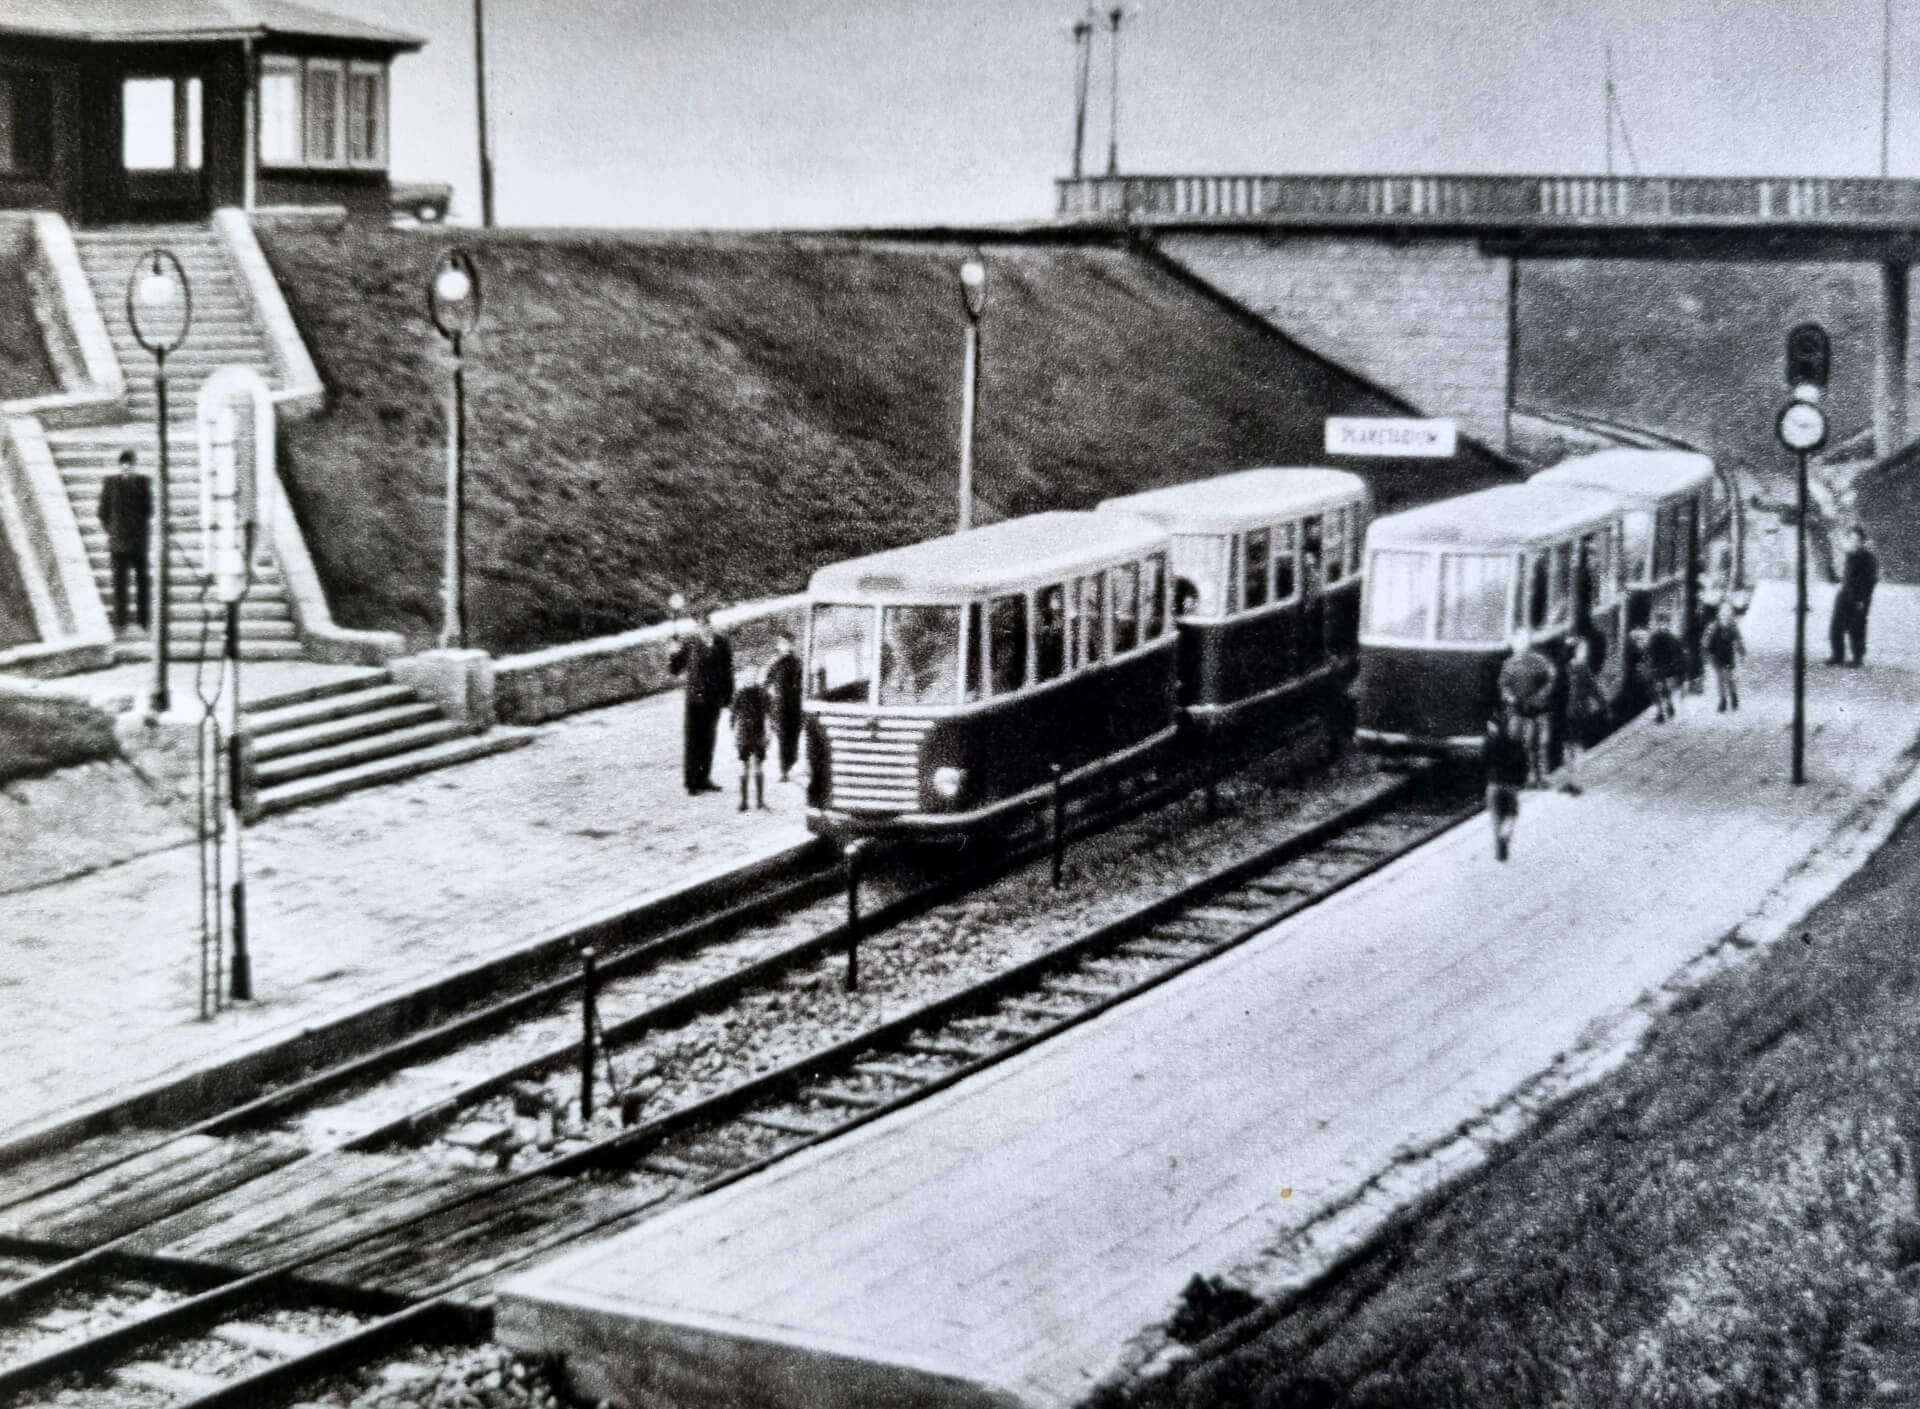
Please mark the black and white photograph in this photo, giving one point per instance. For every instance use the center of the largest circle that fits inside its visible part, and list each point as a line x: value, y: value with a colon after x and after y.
x: 959, y: 704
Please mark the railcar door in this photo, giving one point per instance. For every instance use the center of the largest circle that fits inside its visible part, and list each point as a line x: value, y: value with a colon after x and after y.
x: 1311, y: 640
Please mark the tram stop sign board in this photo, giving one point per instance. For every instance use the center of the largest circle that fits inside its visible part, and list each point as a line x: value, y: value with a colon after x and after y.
x: 1398, y: 437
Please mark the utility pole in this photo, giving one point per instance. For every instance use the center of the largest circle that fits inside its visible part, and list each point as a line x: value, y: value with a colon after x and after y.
x: 1115, y: 15
x: 1886, y: 81
x: 1608, y: 92
x: 1082, y: 64
x: 480, y: 105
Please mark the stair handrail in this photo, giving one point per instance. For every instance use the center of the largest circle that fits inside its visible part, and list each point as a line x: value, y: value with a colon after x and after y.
x: 301, y: 392
x: 45, y: 534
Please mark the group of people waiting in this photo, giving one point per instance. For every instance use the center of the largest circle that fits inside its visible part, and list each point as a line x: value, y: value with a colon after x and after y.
x: 763, y: 702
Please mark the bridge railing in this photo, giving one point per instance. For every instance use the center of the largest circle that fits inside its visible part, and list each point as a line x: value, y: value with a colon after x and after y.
x: 1479, y: 199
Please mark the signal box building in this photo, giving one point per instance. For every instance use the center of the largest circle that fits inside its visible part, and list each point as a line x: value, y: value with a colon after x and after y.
x: 150, y: 110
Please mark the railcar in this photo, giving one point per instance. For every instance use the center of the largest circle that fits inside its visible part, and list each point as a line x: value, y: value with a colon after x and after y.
x: 1451, y: 585
x: 1669, y: 511
x: 1266, y: 568
x: 947, y: 680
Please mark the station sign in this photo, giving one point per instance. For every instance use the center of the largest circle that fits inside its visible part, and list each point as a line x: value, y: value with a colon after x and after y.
x: 1400, y: 437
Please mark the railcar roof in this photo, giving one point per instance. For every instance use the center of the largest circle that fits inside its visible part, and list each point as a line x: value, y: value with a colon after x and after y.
x: 1636, y: 474
x: 1014, y: 552
x: 1244, y: 499
x: 1505, y: 516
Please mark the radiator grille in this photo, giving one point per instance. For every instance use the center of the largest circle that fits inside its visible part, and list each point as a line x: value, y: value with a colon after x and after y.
x: 874, y: 761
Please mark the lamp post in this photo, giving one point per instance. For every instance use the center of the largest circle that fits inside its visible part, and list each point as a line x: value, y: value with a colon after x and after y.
x: 160, y: 311
x: 973, y: 298
x: 453, y: 301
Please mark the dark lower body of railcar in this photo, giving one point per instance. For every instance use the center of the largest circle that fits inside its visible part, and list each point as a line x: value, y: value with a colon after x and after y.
x: 1419, y: 700
x: 884, y: 773
x: 1264, y: 670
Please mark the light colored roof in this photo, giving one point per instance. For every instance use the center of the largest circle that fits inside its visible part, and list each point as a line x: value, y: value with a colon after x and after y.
x: 1247, y: 498
x: 1505, y: 516
x: 161, y: 21
x: 1633, y: 474
x: 1014, y: 553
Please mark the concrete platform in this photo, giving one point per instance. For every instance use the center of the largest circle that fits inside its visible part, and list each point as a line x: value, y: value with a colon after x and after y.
x: 1008, y: 1240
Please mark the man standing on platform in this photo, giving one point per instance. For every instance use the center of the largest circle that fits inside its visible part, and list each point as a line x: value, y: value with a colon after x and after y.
x: 783, y: 681
x: 126, y: 512
x: 1858, y: 576
x: 707, y: 661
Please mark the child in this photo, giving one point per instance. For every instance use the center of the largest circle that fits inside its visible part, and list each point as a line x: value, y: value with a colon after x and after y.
x: 1507, y: 766
x: 1586, y: 709
x: 1724, y: 647
x: 750, y: 710
x: 1668, y: 659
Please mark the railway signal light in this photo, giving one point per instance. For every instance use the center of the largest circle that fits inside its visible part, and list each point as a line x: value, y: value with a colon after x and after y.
x: 1808, y: 358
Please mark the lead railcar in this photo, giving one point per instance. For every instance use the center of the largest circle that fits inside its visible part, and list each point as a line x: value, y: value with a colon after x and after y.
x: 946, y: 680
x: 1451, y: 585
x: 1266, y: 566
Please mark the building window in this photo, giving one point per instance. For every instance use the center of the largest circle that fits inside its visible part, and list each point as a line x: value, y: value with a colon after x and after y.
x: 160, y: 124
x: 26, y: 123
x: 322, y: 112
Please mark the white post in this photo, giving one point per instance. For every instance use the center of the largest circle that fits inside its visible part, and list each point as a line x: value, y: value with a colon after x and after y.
x: 968, y: 380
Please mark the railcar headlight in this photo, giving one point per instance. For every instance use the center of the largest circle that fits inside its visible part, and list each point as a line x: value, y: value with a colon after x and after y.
x: 947, y: 781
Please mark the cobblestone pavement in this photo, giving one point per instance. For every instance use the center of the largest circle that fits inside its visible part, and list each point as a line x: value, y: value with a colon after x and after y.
x: 374, y: 892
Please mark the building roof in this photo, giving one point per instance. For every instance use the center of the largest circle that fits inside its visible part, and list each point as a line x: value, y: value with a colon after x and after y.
x: 1014, y: 553
x: 1641, y: 475
x: 178, y: 21
x: 1245, y: 499
x: 1507, y: 516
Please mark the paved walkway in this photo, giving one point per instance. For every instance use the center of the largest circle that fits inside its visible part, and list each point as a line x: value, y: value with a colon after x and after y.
x: 368, y: 895
x: 1006, y: 1240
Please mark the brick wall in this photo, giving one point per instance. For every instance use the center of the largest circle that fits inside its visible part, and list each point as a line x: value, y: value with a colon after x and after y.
x: 1427, y: 320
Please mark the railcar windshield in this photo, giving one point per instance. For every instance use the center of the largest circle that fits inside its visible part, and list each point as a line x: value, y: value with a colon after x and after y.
x: 1473, y: 595
x: 1200, y: 564
x: 1399, y: 594
x: 840, y: 653
x: 920, y: 655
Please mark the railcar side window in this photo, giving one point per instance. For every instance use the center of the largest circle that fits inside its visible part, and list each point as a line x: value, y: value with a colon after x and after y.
x: 1090, y: 634
x: 1399, y: 593
x: 1153, y: 596
x: 1562, y: 581
x: 1312, y: 561
x: 1200, y: 573
x: 1537, y: 593
x: 975, y: 648
x: 840, y: 654
x: 919, y: 655
x: 1050, y: 633
x: 1638, y: 527
x: 1473, y: 596
x: 1007, y: 644
x: 1253, y: 574
x: 1357, y: 533
x: 1126, y: 607
x: 1283, y: 563
x: 1335, y: 546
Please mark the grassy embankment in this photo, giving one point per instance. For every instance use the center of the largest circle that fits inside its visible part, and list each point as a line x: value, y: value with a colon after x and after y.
x: 24, y: 372
x: 722, y: 415
x: 1729, y: 1219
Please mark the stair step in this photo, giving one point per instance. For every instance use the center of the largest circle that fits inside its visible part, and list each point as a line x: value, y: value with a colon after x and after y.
x: 388, y: 770
x: 265, y: 717
x: 138, y: 650
x: 351, y: 755
x: 353, y: 683
x: 344, y: 730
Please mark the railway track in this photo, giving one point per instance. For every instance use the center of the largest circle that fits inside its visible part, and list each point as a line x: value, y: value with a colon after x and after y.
x: 407, y: 1224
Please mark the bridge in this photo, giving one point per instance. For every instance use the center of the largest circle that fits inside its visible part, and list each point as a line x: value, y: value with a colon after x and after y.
x: 1359, y: 266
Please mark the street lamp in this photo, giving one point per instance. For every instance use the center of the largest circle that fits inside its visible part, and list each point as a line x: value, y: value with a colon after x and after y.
x: 453, y: 301
x: 973, y: 298
x: 160, y: 310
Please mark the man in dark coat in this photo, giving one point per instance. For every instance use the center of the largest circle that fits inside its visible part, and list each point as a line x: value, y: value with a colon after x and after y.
x: 783, y: 681
x: 1848, y: 626
x: 126, y: 512
x: 707, y: 661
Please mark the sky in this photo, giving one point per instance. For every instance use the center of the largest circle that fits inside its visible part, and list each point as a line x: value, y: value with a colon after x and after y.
x: 784, y: 113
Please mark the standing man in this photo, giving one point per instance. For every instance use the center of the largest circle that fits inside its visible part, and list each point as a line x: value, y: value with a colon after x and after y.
x: 1526, y: 694
x: 126, y: 512
x: 1858, y: 576
x: 783, y: 681
x: 707, y: 660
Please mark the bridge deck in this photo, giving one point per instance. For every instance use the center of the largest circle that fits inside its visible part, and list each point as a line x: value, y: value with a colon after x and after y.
x: 1006, y: 1241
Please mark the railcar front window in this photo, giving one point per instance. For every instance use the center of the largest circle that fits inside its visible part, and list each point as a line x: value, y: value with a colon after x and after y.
x: 1313, y: 563
x: 1473, y: 596
x: 1399, y: 594
x: 1153, y: 590
x: 1090, y: 630
x: 1007, y: 644
x: 1283, y: 563
x: 1537, y: 593
x: 840, y: 654
x: 1200, y: 574
x: 1126, y: 608
x: 1050, y: 634
x: 1335, y: 547
x: 919, y: 655
x: 1562, y: 579
x: 1253, y: 590
x: 1638, y: 527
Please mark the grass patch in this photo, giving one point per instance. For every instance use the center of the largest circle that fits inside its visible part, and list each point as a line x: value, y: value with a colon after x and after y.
x: 24, y: 369
x: 722, y: 415
x: 39, y: 735
x: 1729, y: 1219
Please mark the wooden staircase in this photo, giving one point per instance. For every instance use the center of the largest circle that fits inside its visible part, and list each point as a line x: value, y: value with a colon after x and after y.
x: 320, y: 741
